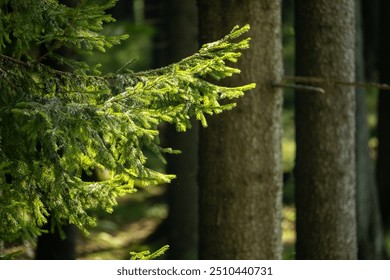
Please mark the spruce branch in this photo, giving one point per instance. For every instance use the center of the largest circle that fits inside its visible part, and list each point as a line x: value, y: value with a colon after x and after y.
x: 146, y: 255
x: 55, y: 124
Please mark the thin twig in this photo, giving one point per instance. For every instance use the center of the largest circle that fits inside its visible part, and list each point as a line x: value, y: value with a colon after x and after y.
x: 53, y: 70
x: 300, y: 87
x: 316, y: 80
x: 13, y: 60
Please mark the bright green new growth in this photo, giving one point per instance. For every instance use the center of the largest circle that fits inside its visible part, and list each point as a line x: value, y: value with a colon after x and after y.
x: 146, y: 255
x: 55, y: 124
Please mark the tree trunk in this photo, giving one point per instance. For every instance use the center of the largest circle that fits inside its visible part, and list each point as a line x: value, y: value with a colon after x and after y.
x: 183, y: 191
x: 325, y: 132
x: 383, y: 163
x: 240, y: 170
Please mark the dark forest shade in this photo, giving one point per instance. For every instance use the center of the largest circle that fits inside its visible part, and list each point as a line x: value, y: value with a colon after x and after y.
x: 369, y: 225
x: 383, y: 164
x: 183, y: 191
x: 52, y: 247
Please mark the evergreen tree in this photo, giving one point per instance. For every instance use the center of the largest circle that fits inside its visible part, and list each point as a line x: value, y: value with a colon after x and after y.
x: 183, y: 193
x: 56, y: 124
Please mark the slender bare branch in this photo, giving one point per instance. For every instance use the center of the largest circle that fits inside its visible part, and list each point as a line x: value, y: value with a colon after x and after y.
x: 300, y: 87
x: 321, y: 81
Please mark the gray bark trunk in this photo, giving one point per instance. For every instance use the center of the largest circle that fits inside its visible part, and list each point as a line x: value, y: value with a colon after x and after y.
x: 325, y: 132
x: 240, y: 171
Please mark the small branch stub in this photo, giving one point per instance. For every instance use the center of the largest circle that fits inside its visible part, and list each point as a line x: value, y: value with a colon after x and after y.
x: 323, y: 81
x: 299, y: 87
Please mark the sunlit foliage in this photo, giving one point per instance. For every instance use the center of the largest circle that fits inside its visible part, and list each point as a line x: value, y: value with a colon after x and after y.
x: 57, y: 122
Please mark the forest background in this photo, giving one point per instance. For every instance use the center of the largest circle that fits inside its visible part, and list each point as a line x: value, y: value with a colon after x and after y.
x: 163, y: 32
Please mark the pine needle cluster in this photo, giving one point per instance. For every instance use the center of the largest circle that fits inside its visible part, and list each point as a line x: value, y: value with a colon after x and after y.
x: 56, y: 123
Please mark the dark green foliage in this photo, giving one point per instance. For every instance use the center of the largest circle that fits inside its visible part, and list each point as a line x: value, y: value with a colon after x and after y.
x: 56, y: 124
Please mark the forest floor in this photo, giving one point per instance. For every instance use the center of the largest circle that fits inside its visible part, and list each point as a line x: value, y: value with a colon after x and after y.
x: 115, y: 241
x: 134, y: 221
x: 134, y: 227
x: 116, y: 237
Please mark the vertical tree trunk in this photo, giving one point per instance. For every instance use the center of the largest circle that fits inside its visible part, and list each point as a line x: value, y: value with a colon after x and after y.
x: 325, y: 132
x: 240, y: 171
x: 383, y: 163
x: 183, y: 191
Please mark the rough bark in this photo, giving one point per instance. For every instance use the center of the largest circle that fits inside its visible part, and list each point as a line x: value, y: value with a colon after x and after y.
x: 325, y: 132
x: 383, y: 161
x: 240, y: 171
